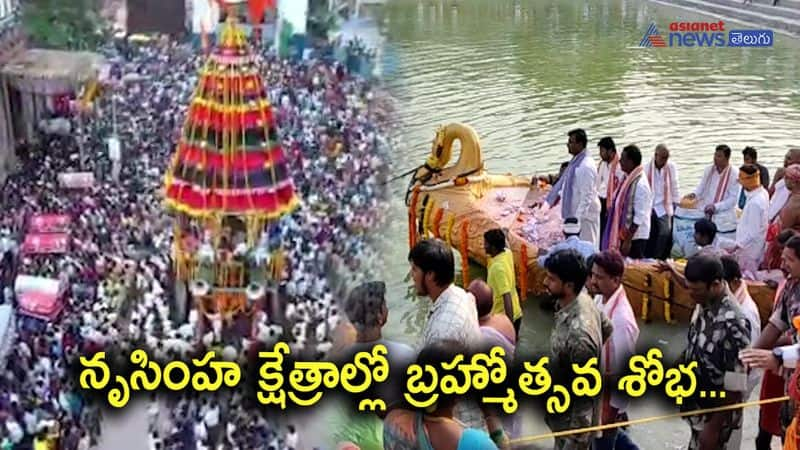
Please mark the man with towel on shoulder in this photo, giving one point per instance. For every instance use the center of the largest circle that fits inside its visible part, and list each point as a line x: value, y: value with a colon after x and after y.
x: 629, y: 217
x: 719, y: 186
x: 577, y: 189
x: 662, y: 175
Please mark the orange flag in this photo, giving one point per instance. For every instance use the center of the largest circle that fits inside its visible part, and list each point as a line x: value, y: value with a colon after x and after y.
x: 258, y: 8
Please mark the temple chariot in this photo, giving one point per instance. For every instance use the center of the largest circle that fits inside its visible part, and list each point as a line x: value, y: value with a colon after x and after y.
x: 227, y: 185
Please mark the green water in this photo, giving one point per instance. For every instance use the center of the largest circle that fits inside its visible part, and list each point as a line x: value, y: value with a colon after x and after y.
x: 523, y: 73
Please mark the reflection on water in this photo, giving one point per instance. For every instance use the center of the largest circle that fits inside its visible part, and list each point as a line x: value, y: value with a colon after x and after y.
x: 525, y: 72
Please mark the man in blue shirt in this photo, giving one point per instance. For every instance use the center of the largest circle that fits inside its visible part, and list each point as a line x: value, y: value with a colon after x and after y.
x: 572, y: 230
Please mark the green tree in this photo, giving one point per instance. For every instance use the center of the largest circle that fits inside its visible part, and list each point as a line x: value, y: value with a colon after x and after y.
x: 60, y: 24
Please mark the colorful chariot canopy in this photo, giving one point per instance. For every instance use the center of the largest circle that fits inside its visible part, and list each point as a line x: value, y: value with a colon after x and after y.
x: 228, y: 161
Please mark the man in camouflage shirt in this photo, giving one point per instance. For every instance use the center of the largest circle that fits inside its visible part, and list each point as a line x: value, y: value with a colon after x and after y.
x: 578, y: 335
x: 717, y: 333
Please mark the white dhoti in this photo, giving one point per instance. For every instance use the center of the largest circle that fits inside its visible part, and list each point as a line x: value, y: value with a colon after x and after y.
x: 115, y: 169
x: 750, y: 257
x: 590, y: 232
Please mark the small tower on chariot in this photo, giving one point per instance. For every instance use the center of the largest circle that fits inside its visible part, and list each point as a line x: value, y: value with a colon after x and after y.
x: 228, y: 183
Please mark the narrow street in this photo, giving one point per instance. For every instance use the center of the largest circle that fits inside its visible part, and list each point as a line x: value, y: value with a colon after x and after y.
x: 126, y: 429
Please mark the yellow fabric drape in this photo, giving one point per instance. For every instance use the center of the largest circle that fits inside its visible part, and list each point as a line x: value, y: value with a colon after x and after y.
x: 426, y: 217
x: 523, y: 272
x: 448, y: 234
x: 791, y: 437
x: 412, y: 219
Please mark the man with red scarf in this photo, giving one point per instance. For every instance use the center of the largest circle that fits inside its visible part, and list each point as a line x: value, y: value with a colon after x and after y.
x: 719, y: 187
x: 663, y: 179
x: 629, y: 217
x: 610, y: 175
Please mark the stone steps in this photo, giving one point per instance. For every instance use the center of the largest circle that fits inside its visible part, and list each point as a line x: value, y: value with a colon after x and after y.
x: 765, y: 8
x: 761, y: 14
x: 788, y: 4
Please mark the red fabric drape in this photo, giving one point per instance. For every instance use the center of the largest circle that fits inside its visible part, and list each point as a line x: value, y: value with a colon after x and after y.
x: 258, y: 8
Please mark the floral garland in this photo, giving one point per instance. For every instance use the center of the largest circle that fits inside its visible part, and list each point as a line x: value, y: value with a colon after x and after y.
x: 451, y: 223
x: 412, y: 219
x: 426, y: 216
x: 437, y: 221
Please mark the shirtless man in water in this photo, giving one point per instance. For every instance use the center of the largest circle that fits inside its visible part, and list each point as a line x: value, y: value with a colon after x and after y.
x: 790, y: 214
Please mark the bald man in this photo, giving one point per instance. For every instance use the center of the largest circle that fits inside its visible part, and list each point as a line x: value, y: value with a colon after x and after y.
x: 778, y: 191
x: 663, y: 178
x: 496, y: 329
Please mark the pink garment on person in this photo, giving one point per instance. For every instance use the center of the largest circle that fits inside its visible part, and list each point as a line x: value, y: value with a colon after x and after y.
x: 613, y: 182
x: 651, y: 170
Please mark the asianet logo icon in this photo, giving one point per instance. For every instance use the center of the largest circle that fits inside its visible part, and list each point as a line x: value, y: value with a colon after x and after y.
x: 705, y: 34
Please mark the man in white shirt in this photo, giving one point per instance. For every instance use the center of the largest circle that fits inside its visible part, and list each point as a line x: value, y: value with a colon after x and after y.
x: 719, y: 187
x: 576, y: 189
x: 292, y: 439
x: 453, y: 315
x: 609, y: 176
x: 605, y: 280
x: 211, y: 419
x: 663, y: 178
x: 31, y: 421
x: 629, y: 217
x: 14, y: 431
x: 779, y: 192
x: 751, y: 231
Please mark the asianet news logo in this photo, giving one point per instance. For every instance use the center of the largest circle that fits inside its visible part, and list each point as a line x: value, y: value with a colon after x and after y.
x: 705, y: 34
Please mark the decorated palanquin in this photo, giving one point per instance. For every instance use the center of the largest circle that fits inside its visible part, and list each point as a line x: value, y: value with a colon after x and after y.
x: 459, y: 201
x: 228, y: 182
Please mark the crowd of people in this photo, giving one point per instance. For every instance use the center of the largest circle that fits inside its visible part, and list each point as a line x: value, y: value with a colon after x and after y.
x: 618, y: 209
x: 359, y: 57
x: 593, y: 319
x: 629, y: 204
x: 118, y: 269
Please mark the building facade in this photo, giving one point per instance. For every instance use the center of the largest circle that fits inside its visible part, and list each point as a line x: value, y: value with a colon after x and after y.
x: 12, y: 41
